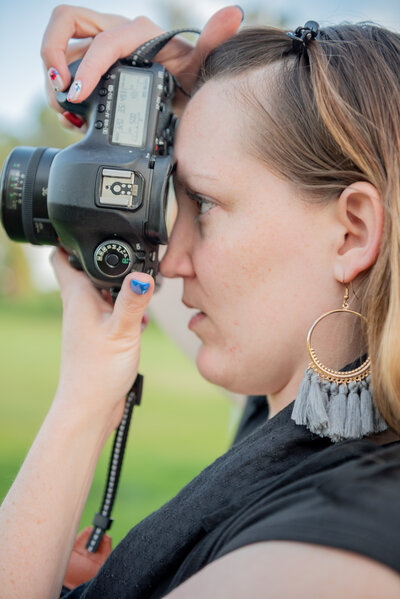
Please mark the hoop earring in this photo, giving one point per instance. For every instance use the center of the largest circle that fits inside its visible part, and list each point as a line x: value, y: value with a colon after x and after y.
x: 337, y: 404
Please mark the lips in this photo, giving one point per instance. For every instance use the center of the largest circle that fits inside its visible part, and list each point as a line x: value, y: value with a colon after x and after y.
x: 198, y: 317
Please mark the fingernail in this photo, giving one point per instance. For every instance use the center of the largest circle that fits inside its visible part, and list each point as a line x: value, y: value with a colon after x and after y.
x: 241, y: 10
x: 74, y: 119
x: 55, y: 79
x: 139, y: 287
x: 74, y: 91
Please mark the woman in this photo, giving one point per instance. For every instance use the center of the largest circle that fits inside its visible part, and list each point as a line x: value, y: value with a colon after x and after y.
x: 287, y: 188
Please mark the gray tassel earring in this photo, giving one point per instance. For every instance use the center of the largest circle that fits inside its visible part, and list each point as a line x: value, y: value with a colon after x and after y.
x: 337, y: 404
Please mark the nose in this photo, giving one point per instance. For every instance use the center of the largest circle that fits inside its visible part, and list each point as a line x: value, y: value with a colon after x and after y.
x: 177, y: 261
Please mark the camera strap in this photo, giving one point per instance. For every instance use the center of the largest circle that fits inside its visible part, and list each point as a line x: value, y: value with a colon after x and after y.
x: 93, y: 546
x: 142, y: 56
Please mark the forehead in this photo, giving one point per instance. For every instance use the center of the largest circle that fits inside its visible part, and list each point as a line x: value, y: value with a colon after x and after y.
x: 210, y: 132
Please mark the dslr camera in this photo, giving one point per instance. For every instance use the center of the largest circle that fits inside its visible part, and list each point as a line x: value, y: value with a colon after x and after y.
x: 103, y: 199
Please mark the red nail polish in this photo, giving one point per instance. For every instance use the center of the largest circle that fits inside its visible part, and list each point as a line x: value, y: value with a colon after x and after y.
x: 74, y: 119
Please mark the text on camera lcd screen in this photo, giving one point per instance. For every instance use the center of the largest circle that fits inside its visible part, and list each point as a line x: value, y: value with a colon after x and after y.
x: 131, y: 109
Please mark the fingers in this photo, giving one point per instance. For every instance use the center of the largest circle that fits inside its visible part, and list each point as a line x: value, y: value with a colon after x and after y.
x: 75, y: 51
x: 113, y: 37
x: 71, y: 22
x: 73, y: 121
x: 71, y: 281
x: 219, y: 28
x: 130, y: 307
x: 107, y: 47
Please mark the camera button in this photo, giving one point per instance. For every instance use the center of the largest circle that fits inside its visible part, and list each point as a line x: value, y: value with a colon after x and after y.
x: 99, y: 124
x: 112, y: 260
x: 101, y: 108
x: 103, y: 91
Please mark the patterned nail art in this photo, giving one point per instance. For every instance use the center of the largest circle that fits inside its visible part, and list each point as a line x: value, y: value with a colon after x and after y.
x: 139, y: 287
x: 55, y: 79
x: 74, y: 91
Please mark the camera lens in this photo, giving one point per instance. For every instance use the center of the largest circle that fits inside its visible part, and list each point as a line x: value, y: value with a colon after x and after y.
x: 23, y: 195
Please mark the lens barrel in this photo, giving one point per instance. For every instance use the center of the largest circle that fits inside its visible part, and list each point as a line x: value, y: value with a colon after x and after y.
x: 23, y: 195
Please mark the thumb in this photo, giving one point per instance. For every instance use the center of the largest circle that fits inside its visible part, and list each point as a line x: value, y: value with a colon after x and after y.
x: 132, y: 301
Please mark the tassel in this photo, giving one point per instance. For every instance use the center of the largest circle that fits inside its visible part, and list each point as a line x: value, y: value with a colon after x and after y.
x: 317, y: 418
x: 380, y: 424
x: 337, y: 412
x: 300, y: 404
x: 367, y: 409
x: 352, y: 429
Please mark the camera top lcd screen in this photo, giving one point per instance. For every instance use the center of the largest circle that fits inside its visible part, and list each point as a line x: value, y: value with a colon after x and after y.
x: 131, y: 109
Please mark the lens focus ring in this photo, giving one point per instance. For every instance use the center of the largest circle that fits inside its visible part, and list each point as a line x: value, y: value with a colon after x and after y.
x: 27, y: 195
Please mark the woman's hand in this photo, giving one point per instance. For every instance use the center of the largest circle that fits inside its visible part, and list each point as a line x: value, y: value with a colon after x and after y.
x: 101, y: 343
x: 105, y: 38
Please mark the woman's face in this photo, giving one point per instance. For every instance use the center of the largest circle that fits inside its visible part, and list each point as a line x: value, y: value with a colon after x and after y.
x: 253, y: 257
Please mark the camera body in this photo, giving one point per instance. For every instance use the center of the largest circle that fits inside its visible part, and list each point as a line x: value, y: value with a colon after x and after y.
x: 104, y: 199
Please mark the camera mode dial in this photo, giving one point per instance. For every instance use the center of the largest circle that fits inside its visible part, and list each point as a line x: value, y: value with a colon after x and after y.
x: 113, y: 258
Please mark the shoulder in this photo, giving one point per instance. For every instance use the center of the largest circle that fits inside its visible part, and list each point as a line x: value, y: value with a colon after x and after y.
x: 291, y: 570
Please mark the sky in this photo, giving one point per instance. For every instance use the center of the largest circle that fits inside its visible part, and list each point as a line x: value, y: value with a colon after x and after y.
x: 22, y: 23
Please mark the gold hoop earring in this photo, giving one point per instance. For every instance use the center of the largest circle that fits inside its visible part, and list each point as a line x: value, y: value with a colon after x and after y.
x: 337, y: 376
x: 337, y: 404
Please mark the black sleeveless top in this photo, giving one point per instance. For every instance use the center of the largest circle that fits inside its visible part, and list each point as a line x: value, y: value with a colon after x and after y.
x: 278, y: 481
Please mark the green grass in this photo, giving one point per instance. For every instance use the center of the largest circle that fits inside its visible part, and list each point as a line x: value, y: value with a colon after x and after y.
x: 181, y: 426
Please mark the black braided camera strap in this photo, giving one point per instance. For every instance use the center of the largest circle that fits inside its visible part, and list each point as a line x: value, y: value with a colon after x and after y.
x: 102, y: 520
x: 142, y: 56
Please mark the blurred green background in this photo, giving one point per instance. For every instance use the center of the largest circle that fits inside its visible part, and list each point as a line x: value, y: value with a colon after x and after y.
x: 181, y: 426
x: 184, y: 422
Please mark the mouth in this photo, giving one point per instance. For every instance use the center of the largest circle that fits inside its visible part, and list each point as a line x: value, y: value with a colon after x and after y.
x: 195, y: 320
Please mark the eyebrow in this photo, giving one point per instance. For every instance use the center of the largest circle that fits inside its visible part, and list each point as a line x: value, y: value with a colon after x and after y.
x: 182, y: 178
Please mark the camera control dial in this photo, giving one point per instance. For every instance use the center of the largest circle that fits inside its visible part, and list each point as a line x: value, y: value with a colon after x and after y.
x: 113, y: 258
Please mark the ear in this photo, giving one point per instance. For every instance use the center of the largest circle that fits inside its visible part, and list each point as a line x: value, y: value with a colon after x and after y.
x: 360, y: 213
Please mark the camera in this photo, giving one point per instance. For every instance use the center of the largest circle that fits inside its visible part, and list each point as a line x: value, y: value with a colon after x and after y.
x: 103, y: 199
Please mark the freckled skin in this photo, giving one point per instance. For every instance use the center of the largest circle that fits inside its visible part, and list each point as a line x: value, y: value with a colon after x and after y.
x: 257, y: 263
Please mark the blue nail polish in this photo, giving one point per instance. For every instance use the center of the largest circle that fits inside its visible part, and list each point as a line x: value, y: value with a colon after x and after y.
x: 139, y: 287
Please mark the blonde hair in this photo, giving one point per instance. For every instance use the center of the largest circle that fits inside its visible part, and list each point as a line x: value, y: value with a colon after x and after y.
x: 331, y: 118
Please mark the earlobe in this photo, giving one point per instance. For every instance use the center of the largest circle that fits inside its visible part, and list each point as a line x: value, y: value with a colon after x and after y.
x: 360, y: 212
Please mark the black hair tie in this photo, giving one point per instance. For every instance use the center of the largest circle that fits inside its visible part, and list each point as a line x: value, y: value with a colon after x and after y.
x: 302, y: 36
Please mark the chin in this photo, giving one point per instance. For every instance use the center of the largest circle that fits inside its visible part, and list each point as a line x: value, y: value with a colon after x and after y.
x: 215, y: 368
x: 214, y: 365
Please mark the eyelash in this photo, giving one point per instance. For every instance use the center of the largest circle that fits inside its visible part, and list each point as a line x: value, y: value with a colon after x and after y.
x: 200, y: 202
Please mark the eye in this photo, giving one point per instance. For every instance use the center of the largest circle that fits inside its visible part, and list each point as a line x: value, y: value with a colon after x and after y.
x: 203, y: 204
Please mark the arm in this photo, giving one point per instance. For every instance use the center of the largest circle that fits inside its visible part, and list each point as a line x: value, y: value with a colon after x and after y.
x: 100, y: 355
x: 289, y: 570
